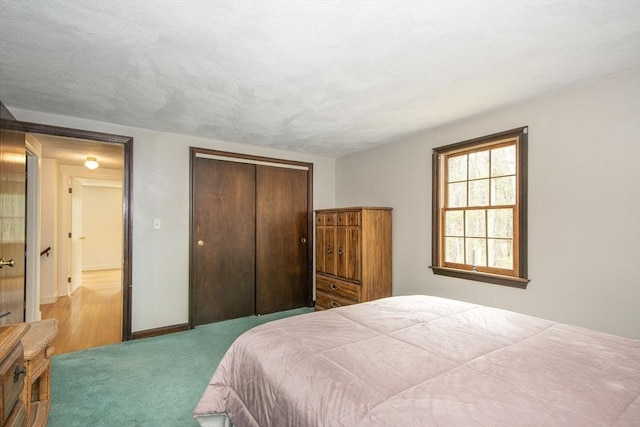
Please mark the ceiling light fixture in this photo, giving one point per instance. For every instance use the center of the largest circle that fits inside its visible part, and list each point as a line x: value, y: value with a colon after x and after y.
x: 91, y: 163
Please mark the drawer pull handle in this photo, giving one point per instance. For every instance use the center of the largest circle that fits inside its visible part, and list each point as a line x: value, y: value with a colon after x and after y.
x: 340, y: 250
x: 334, y: 287
x: 334, y: 304
x: 7, y: 262
x: 329, y: 249
x: 17, y: 372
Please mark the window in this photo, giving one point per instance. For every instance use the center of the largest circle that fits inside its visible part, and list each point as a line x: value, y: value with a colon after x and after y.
x: 480, y: 209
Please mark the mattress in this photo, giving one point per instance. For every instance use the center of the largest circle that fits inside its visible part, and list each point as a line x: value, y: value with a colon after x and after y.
x: 424, y: 361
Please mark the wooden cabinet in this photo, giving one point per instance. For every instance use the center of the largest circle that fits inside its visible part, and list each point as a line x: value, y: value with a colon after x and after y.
x: 12, y: 375
x: 353, y: 255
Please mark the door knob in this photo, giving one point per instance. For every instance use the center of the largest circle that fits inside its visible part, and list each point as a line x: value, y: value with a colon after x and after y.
x: 8, y: 263
x: 200, y: 243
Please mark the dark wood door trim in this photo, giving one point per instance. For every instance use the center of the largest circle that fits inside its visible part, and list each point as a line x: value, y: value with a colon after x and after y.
x: 245, y: 158
x: 127, y: 143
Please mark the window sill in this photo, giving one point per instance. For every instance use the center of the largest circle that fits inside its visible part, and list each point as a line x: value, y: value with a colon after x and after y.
x: 514, y: 282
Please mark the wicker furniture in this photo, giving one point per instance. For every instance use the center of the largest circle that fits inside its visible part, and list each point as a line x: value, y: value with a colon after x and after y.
x: 37, y: 352
x: 12, y: 375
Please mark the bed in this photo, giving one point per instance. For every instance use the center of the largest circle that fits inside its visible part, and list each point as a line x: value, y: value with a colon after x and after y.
x: 423, y: 361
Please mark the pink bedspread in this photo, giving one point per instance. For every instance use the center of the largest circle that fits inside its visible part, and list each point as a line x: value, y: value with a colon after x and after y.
x: 425, y: 361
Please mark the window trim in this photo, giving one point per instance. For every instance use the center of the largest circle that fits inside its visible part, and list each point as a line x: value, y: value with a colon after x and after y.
x: 437, y: 263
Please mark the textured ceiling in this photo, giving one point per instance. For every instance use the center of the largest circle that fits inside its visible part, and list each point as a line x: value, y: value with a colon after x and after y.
x: 316, y: 76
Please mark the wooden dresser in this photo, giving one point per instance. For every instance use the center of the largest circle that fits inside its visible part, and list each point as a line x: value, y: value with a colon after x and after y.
x: 353, y: 255
x: 12, y: 374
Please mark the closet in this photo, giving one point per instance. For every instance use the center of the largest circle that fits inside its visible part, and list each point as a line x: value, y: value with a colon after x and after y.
x: 250, y: 232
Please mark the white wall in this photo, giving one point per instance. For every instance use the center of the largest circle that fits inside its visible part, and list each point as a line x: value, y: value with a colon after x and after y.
x: 49, y: 230
x: 160, y: 181
x: 584, y: 205
x: 101, y: 227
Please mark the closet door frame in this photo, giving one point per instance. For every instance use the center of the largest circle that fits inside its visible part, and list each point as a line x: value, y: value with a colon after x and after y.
x: 196, y: 152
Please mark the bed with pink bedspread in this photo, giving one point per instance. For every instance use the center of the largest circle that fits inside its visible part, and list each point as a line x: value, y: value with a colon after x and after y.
x: 423, y: 361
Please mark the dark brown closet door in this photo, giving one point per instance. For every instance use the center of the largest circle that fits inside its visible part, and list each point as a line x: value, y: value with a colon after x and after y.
x: 223, y: 240
x: 281, y: 239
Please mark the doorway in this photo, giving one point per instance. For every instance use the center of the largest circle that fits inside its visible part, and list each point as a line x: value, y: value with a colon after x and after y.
x: 76, y: 138
x: 81, y: 229
x: 85, y: 294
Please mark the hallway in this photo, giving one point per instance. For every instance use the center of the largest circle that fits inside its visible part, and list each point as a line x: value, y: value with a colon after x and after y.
x: 92, y: 315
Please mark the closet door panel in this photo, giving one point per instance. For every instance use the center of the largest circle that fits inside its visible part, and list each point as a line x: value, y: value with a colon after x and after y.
x: 224, y: 240
x: 281, y: 239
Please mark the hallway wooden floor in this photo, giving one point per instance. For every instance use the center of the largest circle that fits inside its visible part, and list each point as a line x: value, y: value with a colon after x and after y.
x: 91, y: 316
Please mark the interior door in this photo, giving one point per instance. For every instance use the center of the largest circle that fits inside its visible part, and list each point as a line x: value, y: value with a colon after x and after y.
x: 77, y: 235
x: 12, y: 225
x: 281, y: 239
x: 223, y: 240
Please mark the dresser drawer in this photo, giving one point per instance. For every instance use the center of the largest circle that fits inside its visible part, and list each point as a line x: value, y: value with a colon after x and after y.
x: 348, y: 218
x: 338, y: 288
x: 324, y: 218
x: 325, y: 300
x: 11, y: 390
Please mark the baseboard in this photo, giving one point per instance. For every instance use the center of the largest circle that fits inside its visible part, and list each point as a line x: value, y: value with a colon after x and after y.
x: 148, y: 333
x: 101, y: 267
x: 48, y: 299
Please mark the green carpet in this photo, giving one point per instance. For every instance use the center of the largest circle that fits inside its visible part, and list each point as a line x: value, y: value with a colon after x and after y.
x: 149, y: 382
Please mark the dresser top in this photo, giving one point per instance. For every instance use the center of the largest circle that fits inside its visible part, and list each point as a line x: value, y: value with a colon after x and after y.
x: 354, y: 208
x: 10, y: 335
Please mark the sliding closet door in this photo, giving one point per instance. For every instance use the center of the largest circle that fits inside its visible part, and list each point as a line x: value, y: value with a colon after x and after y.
x: 281, y: 239
x: 223, y: 240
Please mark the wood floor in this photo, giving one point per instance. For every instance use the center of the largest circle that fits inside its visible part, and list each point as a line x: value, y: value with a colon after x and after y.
x: 91, y: 316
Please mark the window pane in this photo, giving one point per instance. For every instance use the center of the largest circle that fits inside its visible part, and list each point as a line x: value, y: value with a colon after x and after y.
x: 454, y: 223
x: 476, y: 252
x: 454, y: 250
x: 475, y: 222
x: 500, y: 223
x: 479, y: 193
x: 479, y: 165
x: 503, y: 161
x: 457, y: 167
x: 457, y: 197
x: 501, y: 253
x: 503, y: 191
